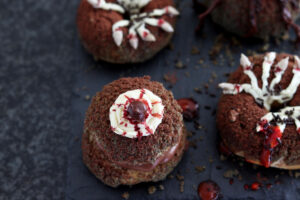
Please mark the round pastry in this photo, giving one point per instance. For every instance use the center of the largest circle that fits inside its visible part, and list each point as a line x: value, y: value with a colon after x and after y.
x: 125, y: 31
x: 258, y: 116
x: 257, y: 18
x: 133, y: 132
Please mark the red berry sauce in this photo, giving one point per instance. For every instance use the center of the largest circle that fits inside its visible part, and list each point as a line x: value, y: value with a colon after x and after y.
x: 208, y: 190
x: 272, y: 139
x: 189, y: 107
x: 254, y: 186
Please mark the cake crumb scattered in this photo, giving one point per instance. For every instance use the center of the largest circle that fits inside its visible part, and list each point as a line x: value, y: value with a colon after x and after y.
x: 151, y: 190
x: 87, y: 97
x: 200, y: 169
x: 195, y: 50
x: 179, y: 177
x: 181, y: 186
x: 180, y: 65
x: 231, y: 173
x: 161, y: 187
x: 125, y: 195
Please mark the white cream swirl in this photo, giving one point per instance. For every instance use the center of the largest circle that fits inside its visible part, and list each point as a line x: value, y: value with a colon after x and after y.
x: 121, y: 125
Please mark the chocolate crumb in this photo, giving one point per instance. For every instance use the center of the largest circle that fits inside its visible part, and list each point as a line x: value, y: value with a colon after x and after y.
x: 180, y: 65
x: 181, y: 186
x: 240, y: 178
x: 170, y: 78
x: 161, y: 187
x: 151, y: 190
x: 87, y: 97
x: 125, y: 195
x: 195, y: 50
x: 200, y: 169
x: 190, y: 134
x: 231, y: 173
x: 201, y: 61
x: 198, y: 90
x: 222, y: 157
x: 171, y: 176
x: 179, y: 177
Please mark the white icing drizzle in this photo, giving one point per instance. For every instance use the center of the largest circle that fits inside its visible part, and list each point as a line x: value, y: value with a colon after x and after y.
x: 281, y: 118
x: 266, y: 95
x: 137, y: 20
x: 121, y: 125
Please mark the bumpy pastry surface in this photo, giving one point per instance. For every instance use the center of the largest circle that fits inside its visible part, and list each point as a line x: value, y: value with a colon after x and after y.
x: 239, y: 117
x: 116, y: 159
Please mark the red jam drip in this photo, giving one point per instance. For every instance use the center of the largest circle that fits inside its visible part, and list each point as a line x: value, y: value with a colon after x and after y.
x: 272, y: 139
x: 189, y: 108
x: 208, y: 190
x: 211, y: 8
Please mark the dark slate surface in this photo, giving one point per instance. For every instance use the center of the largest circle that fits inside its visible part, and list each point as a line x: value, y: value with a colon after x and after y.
x: 38, y: 64
x: 46, y: 78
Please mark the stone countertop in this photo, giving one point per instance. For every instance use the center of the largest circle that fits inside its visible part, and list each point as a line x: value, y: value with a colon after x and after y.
x: 37, y: 73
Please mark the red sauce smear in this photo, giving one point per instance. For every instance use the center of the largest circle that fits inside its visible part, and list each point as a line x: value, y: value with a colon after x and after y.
x: 254, y: 186
x: 189, y: 108
x: 272, y: 139
x: 209, y: 190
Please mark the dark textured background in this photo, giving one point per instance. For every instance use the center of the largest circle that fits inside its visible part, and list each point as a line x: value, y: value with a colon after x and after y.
x: 46, y: 79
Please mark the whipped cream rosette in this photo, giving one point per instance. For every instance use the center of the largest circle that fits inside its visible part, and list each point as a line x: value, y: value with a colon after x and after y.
x: 136, y: 113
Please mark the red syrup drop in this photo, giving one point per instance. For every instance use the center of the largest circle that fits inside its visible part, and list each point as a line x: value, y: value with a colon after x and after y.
x: 272, y: 139
x: 189, y: 108
x: 209, y: 190
x: 255, y: 186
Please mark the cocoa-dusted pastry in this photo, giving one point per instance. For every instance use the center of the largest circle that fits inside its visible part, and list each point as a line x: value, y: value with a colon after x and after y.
x: 133, y: 132
x: 254, y: 18
x: 125, y: 31
x: 258, y: 115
